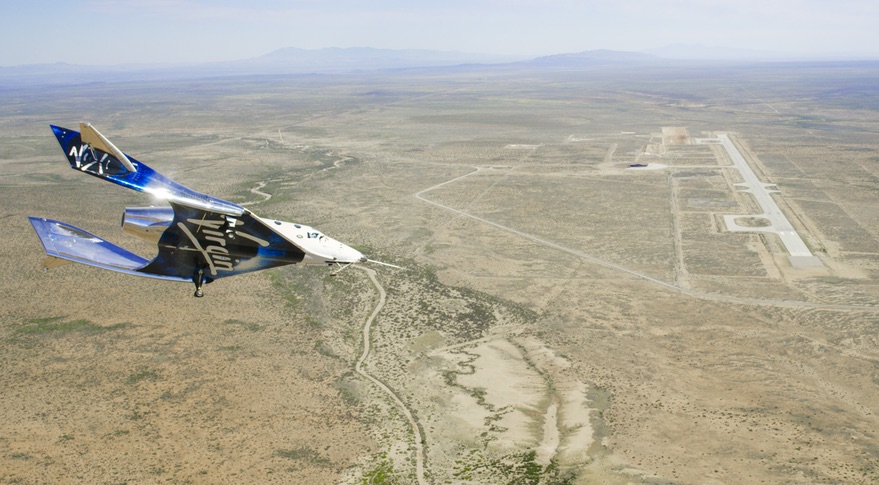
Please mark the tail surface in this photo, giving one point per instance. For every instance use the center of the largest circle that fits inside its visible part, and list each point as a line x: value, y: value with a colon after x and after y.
x: 92, y: 153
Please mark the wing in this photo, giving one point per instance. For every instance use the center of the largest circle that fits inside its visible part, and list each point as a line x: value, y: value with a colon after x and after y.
x: 207, y: 237
x: 195, y: 240
x: 88, y: 151
x: 68, y: 243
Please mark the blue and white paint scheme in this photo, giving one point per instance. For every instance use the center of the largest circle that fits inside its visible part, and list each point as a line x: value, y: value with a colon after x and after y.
x: 200, y: 238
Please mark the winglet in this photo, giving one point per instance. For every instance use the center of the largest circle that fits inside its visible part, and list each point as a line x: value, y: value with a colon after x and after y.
x: 94, y: 138
x: 53, y: 262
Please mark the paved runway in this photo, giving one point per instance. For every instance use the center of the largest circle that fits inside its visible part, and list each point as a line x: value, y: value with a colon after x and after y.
x: 779, y: 223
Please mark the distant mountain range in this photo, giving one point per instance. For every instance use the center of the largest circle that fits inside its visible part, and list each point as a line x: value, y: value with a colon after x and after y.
x: 341, y: 60
x: 283, y: 61
x: 369, y: 58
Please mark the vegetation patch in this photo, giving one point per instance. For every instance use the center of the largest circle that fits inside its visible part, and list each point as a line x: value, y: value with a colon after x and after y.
x: 57, y: 326
x: 513, y: 468
x: 36, y: 329
x: 349, y: 390
x: 253, y: 327
x: 381, y: 474
x: 282, y: 286
x: 304, y: 454
x: 144, y: 375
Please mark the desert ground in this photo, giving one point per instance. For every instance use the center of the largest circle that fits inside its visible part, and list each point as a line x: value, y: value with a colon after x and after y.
x: 561, y: 317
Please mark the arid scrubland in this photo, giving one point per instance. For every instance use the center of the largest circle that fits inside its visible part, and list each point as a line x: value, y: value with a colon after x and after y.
x: 561, y: 317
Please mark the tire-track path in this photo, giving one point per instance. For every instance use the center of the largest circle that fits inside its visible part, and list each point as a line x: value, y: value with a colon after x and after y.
x: 361, y: 363
x: 257, y: 191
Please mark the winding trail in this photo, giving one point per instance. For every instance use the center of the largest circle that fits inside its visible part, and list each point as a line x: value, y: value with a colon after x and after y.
x: 361, y: 363
x: 256, y: 191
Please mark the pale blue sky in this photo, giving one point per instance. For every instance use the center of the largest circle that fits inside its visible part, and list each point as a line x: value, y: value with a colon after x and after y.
x: 150, y: 31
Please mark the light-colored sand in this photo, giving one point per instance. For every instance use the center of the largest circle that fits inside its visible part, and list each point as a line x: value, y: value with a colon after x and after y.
x: 549, y: 443
x: 512, y: 390
x: 575, y: 424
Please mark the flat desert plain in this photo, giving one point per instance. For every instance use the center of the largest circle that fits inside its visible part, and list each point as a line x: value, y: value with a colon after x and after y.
x: 573, y: 307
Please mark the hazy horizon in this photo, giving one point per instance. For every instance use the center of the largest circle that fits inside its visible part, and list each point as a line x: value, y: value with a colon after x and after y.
x: 111, y: 32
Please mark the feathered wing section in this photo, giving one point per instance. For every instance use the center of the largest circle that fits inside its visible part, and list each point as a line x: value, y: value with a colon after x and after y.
x: 93, y: 154
x: 96, y: 140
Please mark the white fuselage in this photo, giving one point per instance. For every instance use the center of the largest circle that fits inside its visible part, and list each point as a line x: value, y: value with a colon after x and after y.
x: 319, y: 248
